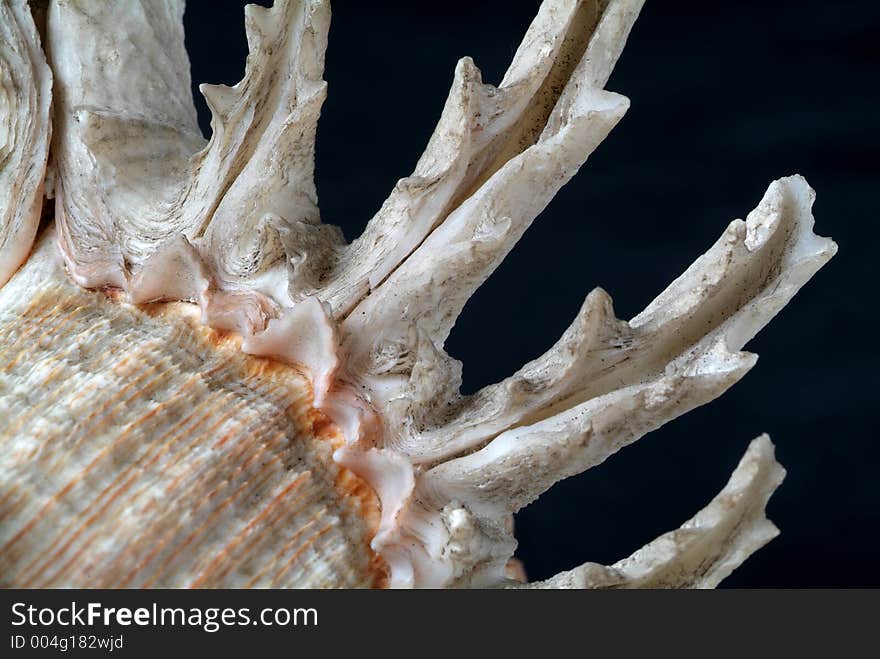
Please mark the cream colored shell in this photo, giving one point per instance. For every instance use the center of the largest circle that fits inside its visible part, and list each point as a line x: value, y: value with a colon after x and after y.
x: 140, y: 448
x: 251, y: 401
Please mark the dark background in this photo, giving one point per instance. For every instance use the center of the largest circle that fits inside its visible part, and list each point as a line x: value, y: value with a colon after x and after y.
x: 726, y: 96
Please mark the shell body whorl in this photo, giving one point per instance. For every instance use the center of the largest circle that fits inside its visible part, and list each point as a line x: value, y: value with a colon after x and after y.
x: 140, y: 448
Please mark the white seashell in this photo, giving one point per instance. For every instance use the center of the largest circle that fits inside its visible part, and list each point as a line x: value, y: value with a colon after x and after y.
x: 141, y: 448
x: 249, y: 401
x: 25, y: 129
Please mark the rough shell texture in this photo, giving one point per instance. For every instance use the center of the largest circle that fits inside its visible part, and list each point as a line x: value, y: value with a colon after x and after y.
x: 146, y: 207
x: 25, y: 129
x: 141, y: 448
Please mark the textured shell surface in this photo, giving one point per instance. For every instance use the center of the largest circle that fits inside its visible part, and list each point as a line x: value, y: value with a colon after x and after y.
x: 119, y: 414
x: 203, y: 385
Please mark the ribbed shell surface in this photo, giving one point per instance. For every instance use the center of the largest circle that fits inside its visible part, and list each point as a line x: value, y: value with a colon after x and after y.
x: 140, y: 449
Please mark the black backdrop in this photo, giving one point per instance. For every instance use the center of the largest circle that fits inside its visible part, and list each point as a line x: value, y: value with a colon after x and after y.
x: 726, y: 97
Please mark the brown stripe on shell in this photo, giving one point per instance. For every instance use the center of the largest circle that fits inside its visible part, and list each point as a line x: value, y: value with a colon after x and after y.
x: 139, y: 448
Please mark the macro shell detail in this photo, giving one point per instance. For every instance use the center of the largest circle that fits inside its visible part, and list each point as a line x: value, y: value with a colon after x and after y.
x: 202, y: 384
x: 145, y: 449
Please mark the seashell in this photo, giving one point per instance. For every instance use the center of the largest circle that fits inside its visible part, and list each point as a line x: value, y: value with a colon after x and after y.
x: 25, y: 130
x: 115, y: 415
x: 203, y: 385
